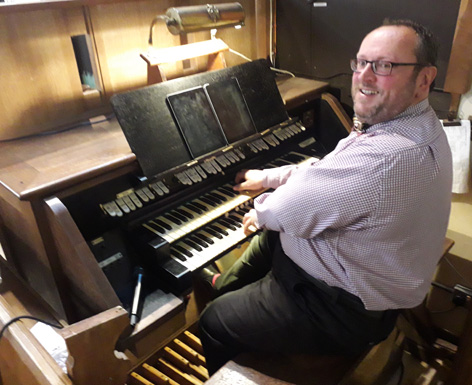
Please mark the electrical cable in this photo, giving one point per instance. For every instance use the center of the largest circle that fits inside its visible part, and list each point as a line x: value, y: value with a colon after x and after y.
x: 282, y: 71
x: 15, y: 319
x: 272, y: 68
x: 250, y: 60
x: 443, y: 287
x: 46, y: 133
x: 332, y: 76
x: 239, y: 54
x: 457, y: 271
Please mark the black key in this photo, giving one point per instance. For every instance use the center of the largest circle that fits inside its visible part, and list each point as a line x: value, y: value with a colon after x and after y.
x: 179, y: 216
x: 185, y: 213
x: 227, y: 224
x: 183, y: 250
x: 163, y: 224
x: 234, y: 218
x: 198, y: 240
x: 244, y: 210
x: 218, y: 229
x: 194, y: 208
x: 228, y: 191
x: 204, y: 238
x: 208, y: 201
x: 191, y: 243
x: 225, y: 195
x: 176, y: 254
x: 156, y: 227
x: 237, y: 214
x: 213, y: 198
x: 218, y: 196
x: 294, y: 158
x: 172, y: 219
x: 216, y: 234
x: 200, y: 206
x: 233, y: 222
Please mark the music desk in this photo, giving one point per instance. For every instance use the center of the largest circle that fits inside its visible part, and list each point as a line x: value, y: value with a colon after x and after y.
x: 45, y: 248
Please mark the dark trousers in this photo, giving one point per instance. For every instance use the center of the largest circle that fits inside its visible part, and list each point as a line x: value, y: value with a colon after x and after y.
x: 266, y: 303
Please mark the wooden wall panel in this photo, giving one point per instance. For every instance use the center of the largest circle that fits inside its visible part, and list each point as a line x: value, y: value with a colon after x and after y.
x: 121, y: 33
x: 27, y: 248
x: 253, y: 39
x: 40, y: 83
x: 41, y: 88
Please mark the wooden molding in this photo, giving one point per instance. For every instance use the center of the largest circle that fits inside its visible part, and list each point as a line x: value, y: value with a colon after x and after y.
x: 92, y: 347
x: 459, y: 72
x: 339, y: 111
x: 156, y: 57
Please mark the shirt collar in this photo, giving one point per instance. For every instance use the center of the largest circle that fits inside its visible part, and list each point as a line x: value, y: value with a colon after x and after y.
x: 411, y: 111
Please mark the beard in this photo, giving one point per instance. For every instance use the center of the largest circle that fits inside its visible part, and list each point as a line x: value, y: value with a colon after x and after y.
x: 386, y: 107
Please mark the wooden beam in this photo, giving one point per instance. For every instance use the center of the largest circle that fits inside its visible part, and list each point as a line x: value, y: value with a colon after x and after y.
x: 459, y: 72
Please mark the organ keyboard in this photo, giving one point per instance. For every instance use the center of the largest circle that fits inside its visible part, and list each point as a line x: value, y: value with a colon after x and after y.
x: 174, y: 239
x: 204, y: 228
x: 183, y: 213
x: 80, y: 211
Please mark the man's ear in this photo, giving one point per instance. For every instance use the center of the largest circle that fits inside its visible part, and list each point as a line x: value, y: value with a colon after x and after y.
x: 425, y: 78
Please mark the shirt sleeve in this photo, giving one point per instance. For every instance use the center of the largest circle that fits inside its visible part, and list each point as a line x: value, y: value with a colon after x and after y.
x: 339, y: 191
x: 275, y: 177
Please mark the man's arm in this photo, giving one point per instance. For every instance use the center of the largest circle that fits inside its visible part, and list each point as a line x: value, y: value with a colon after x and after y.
x: 250, y: 180
x: 336, y: 192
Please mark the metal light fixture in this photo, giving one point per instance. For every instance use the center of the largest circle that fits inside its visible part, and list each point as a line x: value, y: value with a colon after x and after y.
x: 180, y: 20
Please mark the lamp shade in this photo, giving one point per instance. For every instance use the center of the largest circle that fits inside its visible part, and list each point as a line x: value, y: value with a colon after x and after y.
x: 204, y: 17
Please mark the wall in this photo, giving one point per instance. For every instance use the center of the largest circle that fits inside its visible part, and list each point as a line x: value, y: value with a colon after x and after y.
x: 456, y: 267
x: 41, y: 87
x: 460, y: 225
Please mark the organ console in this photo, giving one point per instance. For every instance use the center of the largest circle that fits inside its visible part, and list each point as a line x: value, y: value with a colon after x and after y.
x: 82, y: 212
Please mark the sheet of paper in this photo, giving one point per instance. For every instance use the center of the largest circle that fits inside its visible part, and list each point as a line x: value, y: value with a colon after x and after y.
x: 52, y: 342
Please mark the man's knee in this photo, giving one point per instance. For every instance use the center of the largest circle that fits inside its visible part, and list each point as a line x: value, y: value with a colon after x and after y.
x: 210, y: 322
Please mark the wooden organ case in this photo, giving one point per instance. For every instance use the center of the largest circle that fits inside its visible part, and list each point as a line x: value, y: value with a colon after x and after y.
x: 81, y: 211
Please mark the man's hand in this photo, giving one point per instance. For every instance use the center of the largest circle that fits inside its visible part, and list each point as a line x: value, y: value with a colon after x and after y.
x: 249, y: 221
x: 248, y: 180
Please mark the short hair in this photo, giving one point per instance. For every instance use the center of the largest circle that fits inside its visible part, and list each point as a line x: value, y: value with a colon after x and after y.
x: 427, y: 47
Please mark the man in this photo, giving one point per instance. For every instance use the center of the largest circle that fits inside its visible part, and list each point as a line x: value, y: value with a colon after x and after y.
x: 353, y: 238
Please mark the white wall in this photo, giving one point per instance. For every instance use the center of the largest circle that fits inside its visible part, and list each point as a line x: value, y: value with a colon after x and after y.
x: 465, y: 108
x: 460, y: 223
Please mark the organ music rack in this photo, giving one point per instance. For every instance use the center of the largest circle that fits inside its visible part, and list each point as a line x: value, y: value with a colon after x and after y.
x: 49, y: 251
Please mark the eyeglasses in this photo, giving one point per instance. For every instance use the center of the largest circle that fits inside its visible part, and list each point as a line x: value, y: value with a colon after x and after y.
x: 379, y: 67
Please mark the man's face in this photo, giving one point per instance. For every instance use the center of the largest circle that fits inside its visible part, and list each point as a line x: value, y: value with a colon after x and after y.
x: 380, y: 98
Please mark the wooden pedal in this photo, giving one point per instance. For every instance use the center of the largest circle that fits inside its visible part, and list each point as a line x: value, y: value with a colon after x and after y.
x: 193, y: 341
x: 189, y: 353
x: 156, y: 376
x: 180, y: 376
x: 136, y: 379
x: 179, y: 363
